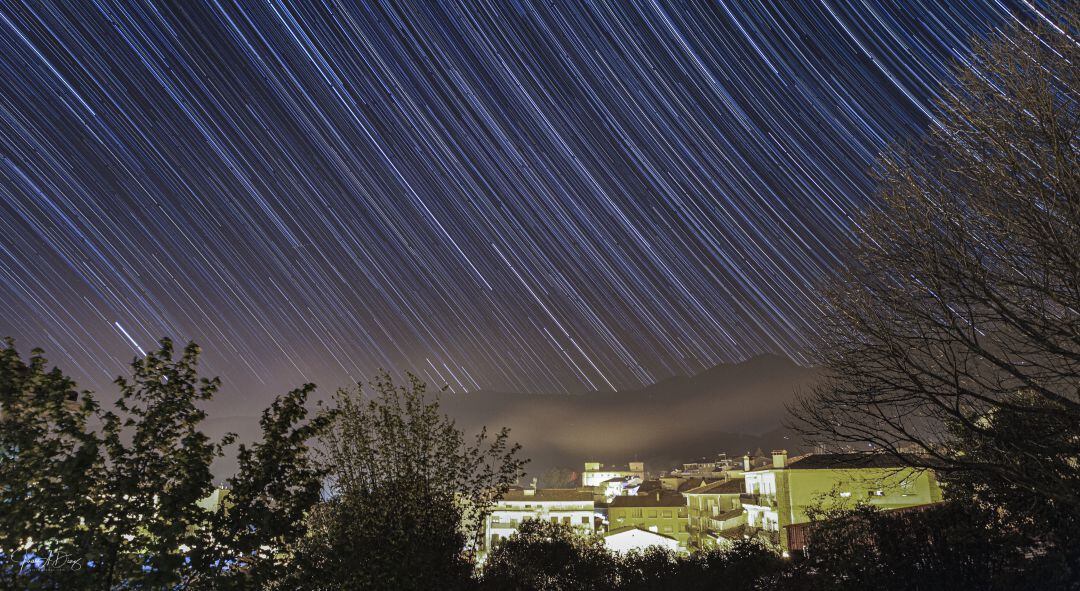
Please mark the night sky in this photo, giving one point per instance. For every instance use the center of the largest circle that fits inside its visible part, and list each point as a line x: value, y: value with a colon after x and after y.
x: 545, y: 196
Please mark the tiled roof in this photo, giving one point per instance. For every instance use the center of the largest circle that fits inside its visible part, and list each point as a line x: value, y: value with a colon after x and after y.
x: 633, y: 527
x: 845, y: 461
x: 691, y: 484
x: 666, y: 499
x: 549, y: 495
x: 722, y: 487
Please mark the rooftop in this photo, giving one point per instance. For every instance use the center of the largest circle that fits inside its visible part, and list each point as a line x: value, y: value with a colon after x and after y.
x: 667, y: 499
x: 627, y: 528
x: 845, y: 461
x: 549, y: 495
x: 721, y: 487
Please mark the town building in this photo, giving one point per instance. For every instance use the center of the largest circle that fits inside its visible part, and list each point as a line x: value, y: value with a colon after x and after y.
x: 662, y: 512
x: 779, y: 495
x: 595, y: 473
x: 715, y: 513
x: 617, y: 487
x: 629, y: 539
x: 718, y: 469
x: 569, y: 506
x: 674, y: 483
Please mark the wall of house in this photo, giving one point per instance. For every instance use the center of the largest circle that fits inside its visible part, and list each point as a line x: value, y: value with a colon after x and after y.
x: 887, y: 488
x: 670, y: 521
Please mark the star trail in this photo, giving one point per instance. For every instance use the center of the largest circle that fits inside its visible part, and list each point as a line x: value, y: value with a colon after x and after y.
x: 526, y: 196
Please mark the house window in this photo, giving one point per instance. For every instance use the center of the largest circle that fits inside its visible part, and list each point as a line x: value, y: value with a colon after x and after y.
x: 652, y: 514
x: 666, y: 514
x: 584, y: 521
x: 845, y: 494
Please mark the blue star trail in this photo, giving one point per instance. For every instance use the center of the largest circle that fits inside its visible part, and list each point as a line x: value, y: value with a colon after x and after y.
x: 529, y: 196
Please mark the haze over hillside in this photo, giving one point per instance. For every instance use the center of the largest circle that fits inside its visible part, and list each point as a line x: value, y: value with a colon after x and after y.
x: 730, y: 408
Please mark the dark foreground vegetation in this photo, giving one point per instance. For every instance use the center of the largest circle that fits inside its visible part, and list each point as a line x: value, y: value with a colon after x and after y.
x: 383, y: 492
x: 953, y: 342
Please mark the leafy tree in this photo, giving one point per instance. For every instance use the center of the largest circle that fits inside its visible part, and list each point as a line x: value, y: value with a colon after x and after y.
x: 953, y: 545
x: 158, y: 469
x: 655, y: 568
x: 953, y: 341
x: 49, y: 462
x: 409, y: 493
x: 545, y: 556
x: 278, y: 481
x: 746, y: 565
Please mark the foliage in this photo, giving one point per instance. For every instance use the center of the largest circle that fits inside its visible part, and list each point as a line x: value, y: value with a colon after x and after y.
x: 549, y: 556
x: 953, y: 341
x: 940, y: 547
x: 119, y: 509
x: 158, y: 468
x: 410, y: 493
x: 278, y: 481
x: 745, y: 565
x: 48, y: 466
x: 545, y: 555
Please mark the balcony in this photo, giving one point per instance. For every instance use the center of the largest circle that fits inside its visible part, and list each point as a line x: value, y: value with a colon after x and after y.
x: 758, y: 500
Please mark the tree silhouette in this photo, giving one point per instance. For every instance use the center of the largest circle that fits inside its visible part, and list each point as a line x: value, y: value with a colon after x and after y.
x: 542, y: 555
x: 49, y: 466
x: 410, y: 493
x: 278, y: 481
x: 158, y: 468
x: 953, y: 340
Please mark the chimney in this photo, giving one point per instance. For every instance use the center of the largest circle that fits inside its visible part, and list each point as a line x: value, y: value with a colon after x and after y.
x: 779, y: 458
x: 534, y: 483
x: 746, y: 463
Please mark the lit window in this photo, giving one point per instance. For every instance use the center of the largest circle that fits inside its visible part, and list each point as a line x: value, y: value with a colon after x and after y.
x: 845, y: 494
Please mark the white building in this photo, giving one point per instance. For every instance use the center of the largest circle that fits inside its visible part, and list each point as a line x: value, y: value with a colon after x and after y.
x: 618, y: 487
x: 627, y: 539
x: 596, y: 473
x: 568, y: 506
